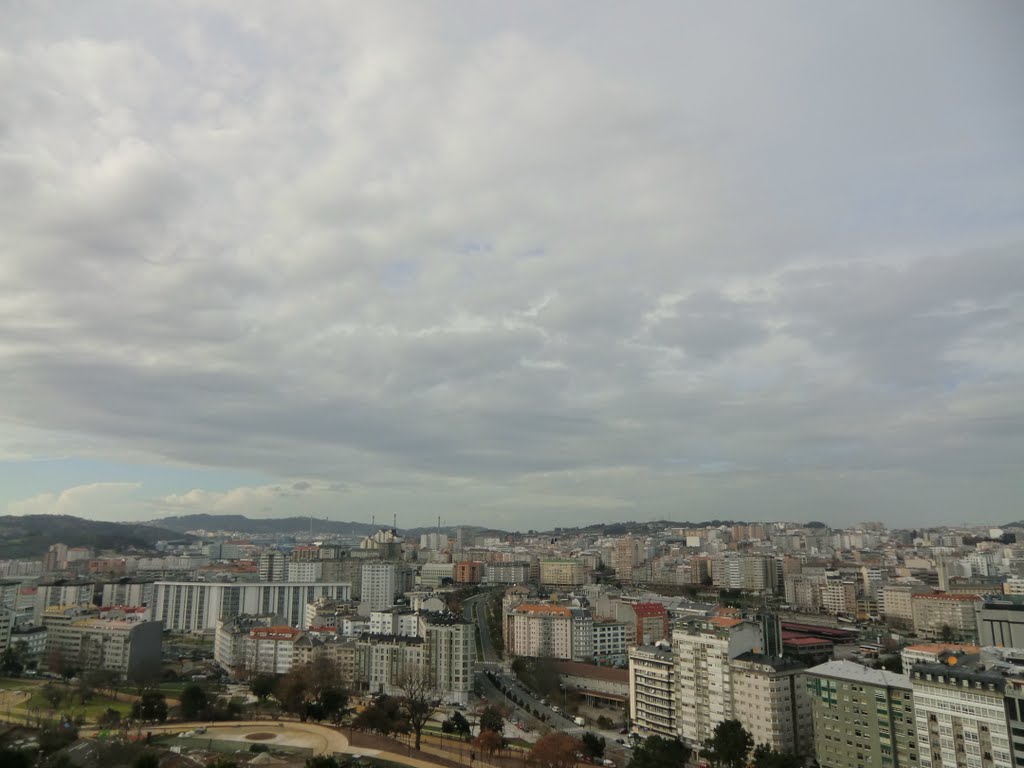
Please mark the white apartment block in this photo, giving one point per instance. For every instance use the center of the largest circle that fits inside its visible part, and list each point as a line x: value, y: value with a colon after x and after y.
x: 961, y: 717
x: 131, y: 593
x: 895, y: 602
x: 539, y: 630
x: 652, y: 697
x: 381, y: 584
x: 703, y: 674
x: 186, y: 606
x: 304, y: 570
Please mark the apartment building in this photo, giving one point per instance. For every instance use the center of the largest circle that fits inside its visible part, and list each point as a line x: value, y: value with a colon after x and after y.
x: 449, y: 652
x: 770, y: 699
x: 961, y: 715
x: 896, y: 603
x: 562, y: 573
x: 650, y: 622
x: 943, y: 616
x: 381, y: 585
x: 1001, y: 622
x: 187, y: 606
x: 117, y: 642
x: 510, y: 572
x: 862, y: 718
x: 539, y: 630
x: 839, y: 597
x: 132, y: 593
x: 652, y: 696
x: 609, y: 642
x: 703, y: 674
x: 468, y: 572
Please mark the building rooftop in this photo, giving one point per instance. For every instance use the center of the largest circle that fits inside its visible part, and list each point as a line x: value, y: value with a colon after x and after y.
x: 593, y: 671
x: 551, y: 610
x: 848, y: 670
x: 778, y: 663
x: 947, y: 596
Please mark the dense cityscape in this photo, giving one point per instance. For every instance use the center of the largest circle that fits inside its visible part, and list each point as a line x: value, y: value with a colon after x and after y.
x: 863, y: 646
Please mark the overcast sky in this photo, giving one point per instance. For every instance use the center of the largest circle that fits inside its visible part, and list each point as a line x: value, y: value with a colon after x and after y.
x: 511, y: 263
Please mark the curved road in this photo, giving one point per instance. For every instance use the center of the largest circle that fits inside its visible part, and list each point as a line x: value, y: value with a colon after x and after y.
x: 320, y: 738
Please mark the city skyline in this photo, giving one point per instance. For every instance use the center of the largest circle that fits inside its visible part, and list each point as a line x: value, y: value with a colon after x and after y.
x: 517, y: 266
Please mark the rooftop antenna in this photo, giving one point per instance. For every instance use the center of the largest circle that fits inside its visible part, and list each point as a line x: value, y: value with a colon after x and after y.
x: 394, y: 524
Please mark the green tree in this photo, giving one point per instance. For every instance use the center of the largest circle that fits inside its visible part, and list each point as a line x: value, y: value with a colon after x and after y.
x: 730, y: 744
x: 148, y: 760
x: 659, y: 752
x: 460, y: 724
x: 52, y: 694
x: 12, y: 661
x: 593, y: 745
x: 152, y: 705
x: 492, y: 720
x: 194, y: 702
x: 263, y: 685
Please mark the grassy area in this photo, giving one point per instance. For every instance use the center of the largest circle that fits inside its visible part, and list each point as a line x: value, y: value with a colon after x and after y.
x: 71, y: 705
x: 19, y: 683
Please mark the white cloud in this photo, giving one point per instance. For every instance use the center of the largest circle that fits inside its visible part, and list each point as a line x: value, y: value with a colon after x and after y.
x: 108, y: 501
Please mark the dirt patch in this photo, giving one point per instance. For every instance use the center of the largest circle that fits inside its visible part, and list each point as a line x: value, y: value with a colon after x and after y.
x: 260, y: 736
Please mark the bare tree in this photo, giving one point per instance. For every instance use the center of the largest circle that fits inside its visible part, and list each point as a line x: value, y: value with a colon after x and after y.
x: 419, y: 694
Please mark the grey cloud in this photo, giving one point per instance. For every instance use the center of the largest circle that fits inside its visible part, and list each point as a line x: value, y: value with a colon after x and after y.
x: 655, y: 263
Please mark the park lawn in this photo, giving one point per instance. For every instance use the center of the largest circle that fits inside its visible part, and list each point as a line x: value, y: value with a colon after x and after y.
x: 19, y: 683
x: 97, y: 705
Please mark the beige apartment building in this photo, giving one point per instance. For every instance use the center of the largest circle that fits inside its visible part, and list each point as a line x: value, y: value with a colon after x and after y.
x: 562, y: 573
x: 942, y: 616
x: 770, y: 699
x: 703, y: 673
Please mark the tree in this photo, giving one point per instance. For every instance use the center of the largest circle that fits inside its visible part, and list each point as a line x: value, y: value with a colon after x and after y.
x: 418, y: 686
x: 383, y: 716
x: 460, y: 724
x: 334, y: 703
x: 193, y: 702
x: 593, y: 745
x: 15, y: 758
x: 52, y: 694
x: 489, y: 742
x: 730, y: 745
x: 293, y: 691
x: 148, y: 760
x: 491, y: 720
x: 766, y: 756
x: 322, y: 761
x: 152, y: 705
x: 554, y: 750
x: 109, y: 719
x: 12, y: 661
x: 263, y: 685
x: 659, y: 752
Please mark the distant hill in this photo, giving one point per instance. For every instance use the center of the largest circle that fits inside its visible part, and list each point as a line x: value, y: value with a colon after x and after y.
x: 31, y: 535
x: 262, y: 525
x: 289, y: 525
